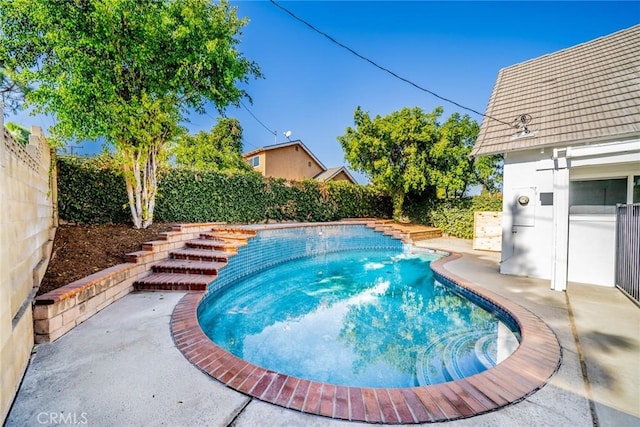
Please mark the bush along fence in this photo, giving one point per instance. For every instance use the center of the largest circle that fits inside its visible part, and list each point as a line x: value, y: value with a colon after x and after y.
x: 453, y: 216
x: 92, y: 191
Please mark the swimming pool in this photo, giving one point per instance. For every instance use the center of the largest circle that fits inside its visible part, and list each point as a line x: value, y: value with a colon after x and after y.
x: 368, y: 318
x: 526, y: 370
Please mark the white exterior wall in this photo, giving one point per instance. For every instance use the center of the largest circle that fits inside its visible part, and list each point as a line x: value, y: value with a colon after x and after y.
x: 535, y: 245
x: 592, y: 242
x: 592, y: 249
x: 526, y: 230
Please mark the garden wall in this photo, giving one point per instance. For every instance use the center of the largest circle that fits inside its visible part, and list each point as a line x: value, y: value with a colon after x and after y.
x: 27, y: 229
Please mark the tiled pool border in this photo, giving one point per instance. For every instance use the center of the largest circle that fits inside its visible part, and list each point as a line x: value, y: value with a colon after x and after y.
x: 528, y: 369
x: 274, y: 245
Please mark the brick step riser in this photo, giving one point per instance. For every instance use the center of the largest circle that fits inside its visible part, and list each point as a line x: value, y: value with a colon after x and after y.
x: 206, y: 258
x: 230, y: 239
x: 215, y: 246
x: 169, y: 287
x: 249, y: 233
x: 185, y: 270
x: 425, y: 236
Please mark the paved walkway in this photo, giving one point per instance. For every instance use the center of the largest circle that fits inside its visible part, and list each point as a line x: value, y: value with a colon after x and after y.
x: 121, y: 367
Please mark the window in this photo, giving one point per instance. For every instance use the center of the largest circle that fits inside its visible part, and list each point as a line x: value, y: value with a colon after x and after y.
x: 597, y: 196
x: 255, y: 161
x: 636, y: 189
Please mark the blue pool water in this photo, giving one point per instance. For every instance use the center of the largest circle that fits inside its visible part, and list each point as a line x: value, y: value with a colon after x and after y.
x: 368, y: 318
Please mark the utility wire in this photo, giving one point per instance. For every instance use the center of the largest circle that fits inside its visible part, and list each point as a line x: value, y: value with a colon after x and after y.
x: 272, y: 132
x: 243, y: 139
x: 380, y: 67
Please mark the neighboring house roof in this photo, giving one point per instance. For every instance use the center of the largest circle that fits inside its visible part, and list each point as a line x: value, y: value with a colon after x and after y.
x: 330, y: 173
x: 282, y: 145
x: 325, y: 175
x: 586, y: 93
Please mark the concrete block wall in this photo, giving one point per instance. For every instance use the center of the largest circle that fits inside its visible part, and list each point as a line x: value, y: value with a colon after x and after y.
x: 27, y: 228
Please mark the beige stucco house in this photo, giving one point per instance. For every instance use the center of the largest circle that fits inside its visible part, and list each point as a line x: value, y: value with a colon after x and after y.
x: 293, y: 161
x: 568, y: 124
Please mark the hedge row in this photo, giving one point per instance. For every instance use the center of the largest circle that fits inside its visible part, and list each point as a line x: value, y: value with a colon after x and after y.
x: 453, y: 216
x: 92, y: 190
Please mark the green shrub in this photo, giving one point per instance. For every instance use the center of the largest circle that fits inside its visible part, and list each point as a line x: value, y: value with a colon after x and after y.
x: 453, y: 216
x: 355, y: 201
x: 92, y: 190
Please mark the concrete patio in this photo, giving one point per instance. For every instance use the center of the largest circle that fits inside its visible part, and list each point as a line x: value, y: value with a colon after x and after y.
x: 121, y: 366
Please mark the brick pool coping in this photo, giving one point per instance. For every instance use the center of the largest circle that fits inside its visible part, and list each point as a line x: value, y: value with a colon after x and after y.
x: 524, y: 372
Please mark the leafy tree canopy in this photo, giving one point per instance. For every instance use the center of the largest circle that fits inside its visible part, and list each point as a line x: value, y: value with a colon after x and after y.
x: 410, y: 151
x: 457, y: 171
x: 11, y: 93
x: 125, y: 70
x: 19, y: 132
x: 220, y: 149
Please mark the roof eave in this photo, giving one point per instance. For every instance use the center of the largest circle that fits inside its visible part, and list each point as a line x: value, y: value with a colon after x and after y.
x: 599, y: 140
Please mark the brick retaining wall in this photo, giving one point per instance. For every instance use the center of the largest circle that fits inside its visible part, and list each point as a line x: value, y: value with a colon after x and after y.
x: 59, y: 311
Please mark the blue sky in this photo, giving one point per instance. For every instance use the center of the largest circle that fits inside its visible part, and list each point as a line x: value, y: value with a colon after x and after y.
x: 311, y: 86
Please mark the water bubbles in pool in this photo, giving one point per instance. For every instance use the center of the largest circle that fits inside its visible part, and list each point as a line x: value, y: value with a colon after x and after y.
x: 373, y: 266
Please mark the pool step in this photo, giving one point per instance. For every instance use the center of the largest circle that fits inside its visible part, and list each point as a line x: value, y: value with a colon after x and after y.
x: 201, y: 255
x: 174, y: 282
x: 234, y: 230
x: 207, y: 268
x: 425, y: 233
x: 196, y: 265
x: 453, y: 356
x: 211, y: 244
x: 408, y: 233
x: 239, y: 238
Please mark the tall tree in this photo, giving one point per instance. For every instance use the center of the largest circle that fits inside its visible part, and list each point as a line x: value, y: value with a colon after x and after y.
x: 457, y: 171
x: 126, y: 71
x: 393, y: 151
x: 410, y: 151
x: 11, y: 94
x: 220, y: 149
x: 488, y: 172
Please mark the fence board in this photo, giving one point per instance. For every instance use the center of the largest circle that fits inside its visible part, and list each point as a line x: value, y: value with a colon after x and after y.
x: 487, y: 231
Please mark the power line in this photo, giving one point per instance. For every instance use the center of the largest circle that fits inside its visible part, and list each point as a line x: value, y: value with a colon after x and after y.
x: 380, y: 67
x: 244, y: 141
x: 272, y: 132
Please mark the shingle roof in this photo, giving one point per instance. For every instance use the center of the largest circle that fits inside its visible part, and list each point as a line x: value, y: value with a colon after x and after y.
x: 586, y: 93
x: 281, y: 145
x: 331, y: 172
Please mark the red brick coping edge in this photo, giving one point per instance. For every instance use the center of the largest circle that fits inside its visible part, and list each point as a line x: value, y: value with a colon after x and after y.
x: 528, y: 369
